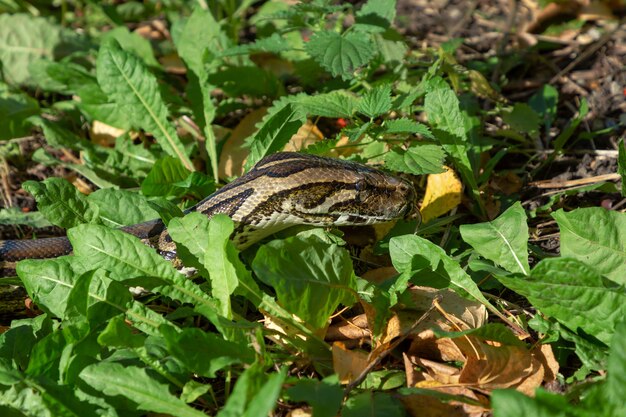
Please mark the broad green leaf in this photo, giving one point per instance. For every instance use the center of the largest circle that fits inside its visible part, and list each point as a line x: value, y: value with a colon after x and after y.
x: 118, y: 334
x: 247, y: 386
x: 274, y: 134
x: 119, y: 208
x: 61, y: 203
x: 164, y: 176
x: 14, y: 215
x: 373, y: 404
x: 264, y: 401
x: 50, y: 282
x: 574, y: 294
x: 421, y: 158
x: 311, y: 277
x: 544, y: 102
x: 59, y: 137
x: 323, y: 396
x: 511, y: 403
x: 252, y: 81
x: 25, y: 39
x: 136, y: 385
x: 42, y: 398
x: 503, y: 240
x: 133, y: 43
x: 205, y: 353
x: 275, y: 43
x: 376, y: 101
x: 567, y: 133
x: 616, y: 380
x: 596, y: 237
x: 202, y: 35
x: 209, y: 242
x: 63, y: 77
x: 337, y: 103
x: 340, y: 55
x: 379, y: 13
x: 404, y: 125
x: 523, y: 119
x: 98, y: 106
x: 125, y: 79
x: 15, y: 109
x: 621, y: 164
x: 448, y: 123
x: 411, y: 254
x: 126, y: 257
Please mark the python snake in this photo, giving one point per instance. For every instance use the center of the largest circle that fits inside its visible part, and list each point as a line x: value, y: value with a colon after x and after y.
x: 281, y: 190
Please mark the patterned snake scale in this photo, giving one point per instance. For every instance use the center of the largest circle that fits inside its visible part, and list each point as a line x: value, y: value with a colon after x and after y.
x: 282, y: 190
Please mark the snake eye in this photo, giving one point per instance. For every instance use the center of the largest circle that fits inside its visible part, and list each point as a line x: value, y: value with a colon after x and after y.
x: 359, y: 187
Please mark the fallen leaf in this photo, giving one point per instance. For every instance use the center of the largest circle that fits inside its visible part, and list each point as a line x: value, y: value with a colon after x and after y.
x: 443, y: 193
x: 103, y: 134
x: 348, y: 364
x: 233, y: 155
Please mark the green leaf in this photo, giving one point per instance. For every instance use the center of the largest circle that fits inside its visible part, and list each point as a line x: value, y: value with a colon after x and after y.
x: 25, y: 39
x: 616, y: 379
x: 444, y: 115
x: 133, y: 43
x: 494, y: 332
x: 136, y: 385
x: 503, y: 240
x: 596, y: 237
x: 340, y: 55
x: 376, y: 101
x: 205, y: 353
x: 567, y: 133
x: 380, y: 13
x: 119, y: 208
x: 323, y: 396
x: 61, y: 203
x: 118, y: 334
x: 373, y: 404
x: 544, y: 102
x: 265, y: 400
x: 523, y: 119
x: 125, y: 79
x: 311, y: 277
x: 163, y: 178
x: 15, y: 108
x: 421, y: 158
x: 50, y: 282
x: 574, y: 294
x: 14, y: 215
x: 405, y: 125
x: 251, y: 81
x: 126, y: 257
x: 511, y: 403
x: 337, y: 103
x: 275, y: 43
x: 412, y: 254
x: 621, y: 164
x: 274, y: 134
x: 98, y: 106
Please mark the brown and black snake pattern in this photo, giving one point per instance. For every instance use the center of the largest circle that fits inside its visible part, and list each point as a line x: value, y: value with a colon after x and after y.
x: 282, y: 190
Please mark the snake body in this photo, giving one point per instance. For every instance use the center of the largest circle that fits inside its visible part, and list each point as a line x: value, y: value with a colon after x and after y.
x: 281, y: 190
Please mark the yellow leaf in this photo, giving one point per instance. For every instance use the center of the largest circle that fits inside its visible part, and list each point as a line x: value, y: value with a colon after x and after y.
x: 443, y: 193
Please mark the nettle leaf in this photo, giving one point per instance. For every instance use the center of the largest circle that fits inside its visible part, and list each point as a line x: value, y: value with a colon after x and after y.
x: 25, y: 39
x: 338, y: 103
x: 405, y: 125
x: 136, y: 385
x: 275, y: 43
x: 15, y: 109
x: 596, y: 237
x: 311, y: 277
x: 275, y: 133
x: 503, y: 240
x: 61, y: 203
x: 340, y: 55
x: 164, y: 177
x: 421, y: 158
x: 376, y: 101
x: 126, y: 80
x: 575, y: 294
x: 119, y: 208
x: 205, y: 353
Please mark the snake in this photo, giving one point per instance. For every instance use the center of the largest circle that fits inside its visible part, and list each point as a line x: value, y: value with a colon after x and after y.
x: 282, y: 190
